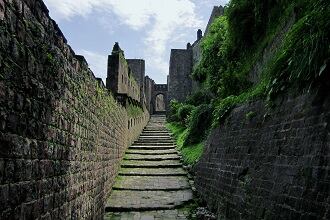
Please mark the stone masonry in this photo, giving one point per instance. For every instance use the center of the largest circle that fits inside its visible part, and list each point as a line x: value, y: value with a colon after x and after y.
x: 180, y: 85
x: 62, y: 134
x: 266, y: 163
x: 138, y: 70
x: 121, y: 80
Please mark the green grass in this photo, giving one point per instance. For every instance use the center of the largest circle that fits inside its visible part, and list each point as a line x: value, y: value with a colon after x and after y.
x: 134, y: 111
x: 190, y: 153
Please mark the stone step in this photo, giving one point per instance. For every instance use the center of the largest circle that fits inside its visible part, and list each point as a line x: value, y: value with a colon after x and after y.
x: 155, y: 138
x: 175, y: 214
x: 155, y: 130
x: 152, y: 172
x: 155, y: 134
x: 151, y: 147
x: 127, y: 200
x: 153, y: 144
x: 151, y: 152
x: 152, y: 157
x: 154, y: 141
x: 151, y: 183
x: 163, y: 136
x: 151, y: 178
x: 151, y: 164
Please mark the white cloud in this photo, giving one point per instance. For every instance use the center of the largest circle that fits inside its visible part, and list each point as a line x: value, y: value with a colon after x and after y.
x: 97, y: 62
x: 160, y: 19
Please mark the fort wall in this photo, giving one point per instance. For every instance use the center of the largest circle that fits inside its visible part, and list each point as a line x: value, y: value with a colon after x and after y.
x: 62, y: 133
x: 266, y: 163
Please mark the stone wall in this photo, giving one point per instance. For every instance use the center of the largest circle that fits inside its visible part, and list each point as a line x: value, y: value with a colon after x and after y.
x: 138, y: 70
x: 149, y: 85
x: 266, y: 163
x: 62, y: 134
x: 120, y: 78
x: 180, y: 81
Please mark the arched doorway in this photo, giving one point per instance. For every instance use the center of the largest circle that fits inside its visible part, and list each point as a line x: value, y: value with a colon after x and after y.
x: 159, y: 102
x: 160, y: 105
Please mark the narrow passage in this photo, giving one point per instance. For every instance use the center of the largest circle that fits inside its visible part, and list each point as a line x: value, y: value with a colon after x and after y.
x: 152, y: 183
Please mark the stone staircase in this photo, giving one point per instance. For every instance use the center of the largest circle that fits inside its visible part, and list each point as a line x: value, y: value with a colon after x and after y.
x: 151, y: 183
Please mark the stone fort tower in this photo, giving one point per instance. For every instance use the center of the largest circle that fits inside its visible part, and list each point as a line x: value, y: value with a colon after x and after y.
x: 182, y: 62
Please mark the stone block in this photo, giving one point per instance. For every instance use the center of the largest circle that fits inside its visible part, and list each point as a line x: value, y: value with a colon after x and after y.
x: 283, y: 173
x: 2, y: 10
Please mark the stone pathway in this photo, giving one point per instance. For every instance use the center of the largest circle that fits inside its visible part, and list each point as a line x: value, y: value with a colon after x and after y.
x: 151, y: 184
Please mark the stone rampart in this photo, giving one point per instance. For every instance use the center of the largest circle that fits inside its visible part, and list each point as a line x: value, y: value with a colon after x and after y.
x: 62, y: 134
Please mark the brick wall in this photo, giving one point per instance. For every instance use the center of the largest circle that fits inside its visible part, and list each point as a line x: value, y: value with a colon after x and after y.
x: 62, y: 135
x: 264, y: 163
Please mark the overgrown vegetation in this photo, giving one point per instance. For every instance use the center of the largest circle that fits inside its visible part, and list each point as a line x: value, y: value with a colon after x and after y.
x: 237, y: 41
x: 134, y: 111
x: 190, y: 153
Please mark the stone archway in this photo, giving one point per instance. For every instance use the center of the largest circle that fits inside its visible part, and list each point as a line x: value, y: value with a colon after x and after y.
x: 160, y: 103
x: 159, y: 90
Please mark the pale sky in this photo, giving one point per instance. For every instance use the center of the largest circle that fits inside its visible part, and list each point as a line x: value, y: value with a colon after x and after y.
x: 145, y: 29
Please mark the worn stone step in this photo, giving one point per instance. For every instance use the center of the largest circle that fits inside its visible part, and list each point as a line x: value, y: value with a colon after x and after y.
x: 142, y: 183
x: 155, y: 140
x: 150, y: 135
x: 152, y: 157
x: 156, y: 137
x: 160, y: 130
x: 160, y: 137
x: 151, y: 177
x: 127, y: 200
x: 151, y: 164
x: 175, y: 214
x: 151, y: 152
x: 153, y: 129
x: 151, y: 147
x: 152, y: 172
x: 152, y: 144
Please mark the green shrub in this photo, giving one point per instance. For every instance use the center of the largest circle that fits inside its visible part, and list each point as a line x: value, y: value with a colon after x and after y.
x: 199, y: 124
x: 173, y: 110
x: 184, y: 112
x: 250, y: 20
x: 238, y: 39
x: 303, y: 62
x: 190, y: 153
x: 202, y: 96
